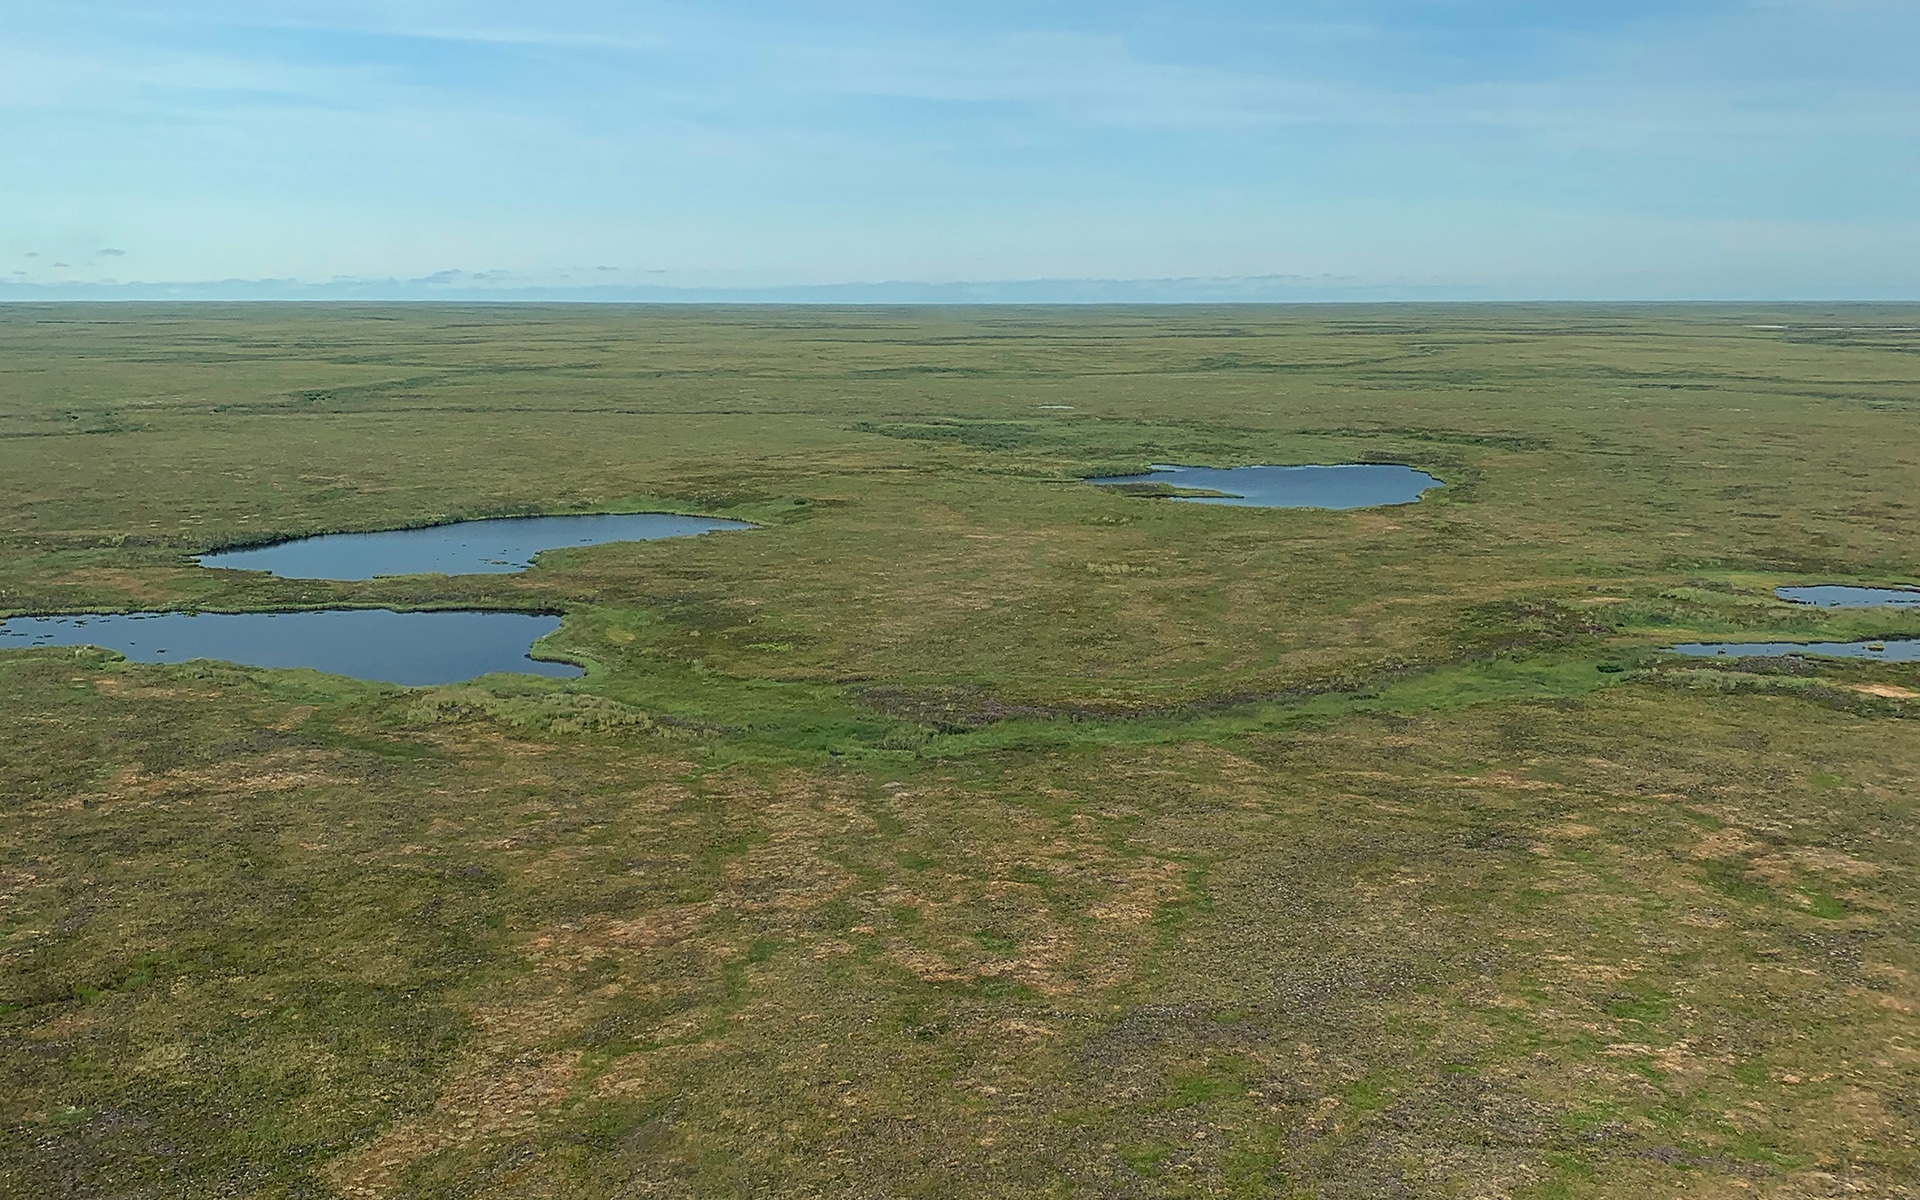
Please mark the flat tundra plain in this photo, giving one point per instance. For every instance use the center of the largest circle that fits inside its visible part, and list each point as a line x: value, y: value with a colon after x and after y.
x: 966, y: 829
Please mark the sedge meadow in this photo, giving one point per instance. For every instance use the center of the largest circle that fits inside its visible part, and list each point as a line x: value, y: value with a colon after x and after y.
x: 963, y: 828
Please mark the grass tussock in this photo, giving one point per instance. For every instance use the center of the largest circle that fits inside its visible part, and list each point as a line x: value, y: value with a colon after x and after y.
x: 563, y: 712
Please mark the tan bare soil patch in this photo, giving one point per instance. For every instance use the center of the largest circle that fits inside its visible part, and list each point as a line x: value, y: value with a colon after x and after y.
x: 486, y: 1104
x: 1885, y: 690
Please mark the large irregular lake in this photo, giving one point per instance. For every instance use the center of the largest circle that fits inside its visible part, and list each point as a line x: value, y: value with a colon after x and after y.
x: 1347, y: 485
x: 1835, y: 595
x: 491, y: 547
x: 1892, y: 650
x: 412, y: 648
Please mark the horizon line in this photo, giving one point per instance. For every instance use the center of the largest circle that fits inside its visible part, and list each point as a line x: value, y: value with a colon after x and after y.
x: 496, y: 287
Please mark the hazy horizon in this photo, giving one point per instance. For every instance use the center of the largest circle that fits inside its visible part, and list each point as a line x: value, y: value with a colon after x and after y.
x: 880, y: 293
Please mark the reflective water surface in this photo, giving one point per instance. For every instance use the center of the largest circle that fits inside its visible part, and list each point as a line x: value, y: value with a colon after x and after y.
x: 412, y: 648
x: 1892, y: 650
x: 1347, y: 485
x: 1836, y: 595
x: 492, y: 547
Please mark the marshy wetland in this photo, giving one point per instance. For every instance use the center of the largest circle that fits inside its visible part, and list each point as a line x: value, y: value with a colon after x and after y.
x: 413, y: 649
x: 1316, y: 485
x: 964, y: 828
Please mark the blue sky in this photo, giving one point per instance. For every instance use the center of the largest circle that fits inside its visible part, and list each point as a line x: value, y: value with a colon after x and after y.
x: 1299, y: 148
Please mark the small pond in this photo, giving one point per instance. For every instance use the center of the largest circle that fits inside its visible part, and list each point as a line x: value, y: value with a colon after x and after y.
x: 492, y: 547
x: 1891, y: 650
x: 1347, y: 485
x: 412, y: 648
x: 1834, y: 595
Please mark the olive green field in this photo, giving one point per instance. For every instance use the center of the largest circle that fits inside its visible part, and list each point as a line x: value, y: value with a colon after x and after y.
x: 966, y: 829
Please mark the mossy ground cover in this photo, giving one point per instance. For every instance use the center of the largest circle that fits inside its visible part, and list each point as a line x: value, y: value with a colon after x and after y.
x: 965, y: 829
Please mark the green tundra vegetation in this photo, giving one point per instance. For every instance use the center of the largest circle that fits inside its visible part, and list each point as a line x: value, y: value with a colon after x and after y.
x: 966, y: 829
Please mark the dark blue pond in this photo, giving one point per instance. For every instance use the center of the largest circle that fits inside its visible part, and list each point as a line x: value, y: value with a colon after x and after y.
x: 1834, y: 595
x: 1350, y: 485
x: 413, y: 648
x: 492, y: 547
x: 1891, y: 650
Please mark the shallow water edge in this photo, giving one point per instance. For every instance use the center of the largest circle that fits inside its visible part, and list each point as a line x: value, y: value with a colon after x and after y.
x: 1877, y: 650
x: 1846, y: 595
x: 492, y: 546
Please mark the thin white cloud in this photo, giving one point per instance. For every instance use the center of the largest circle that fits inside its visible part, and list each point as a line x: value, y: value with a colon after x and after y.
x: 750, y: 78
